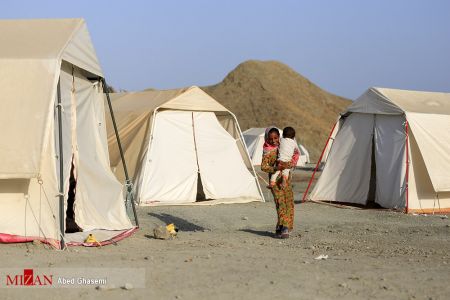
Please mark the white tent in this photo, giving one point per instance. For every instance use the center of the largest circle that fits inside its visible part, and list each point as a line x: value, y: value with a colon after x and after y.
x: 254, y: 139
x: 42, y: 63
x: 391, y: 147
x: 173, y: 138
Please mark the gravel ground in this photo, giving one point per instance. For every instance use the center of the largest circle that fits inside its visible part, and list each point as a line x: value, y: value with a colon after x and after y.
x: 228, y: 252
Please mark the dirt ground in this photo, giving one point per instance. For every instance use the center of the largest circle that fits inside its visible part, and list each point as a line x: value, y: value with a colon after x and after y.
x: 228, y: 252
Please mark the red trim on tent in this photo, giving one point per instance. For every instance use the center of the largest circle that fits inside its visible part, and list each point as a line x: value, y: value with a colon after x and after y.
x: 11, y: 238
x: 318, y: 162
x: 112, y: 240
x: 407, y: 166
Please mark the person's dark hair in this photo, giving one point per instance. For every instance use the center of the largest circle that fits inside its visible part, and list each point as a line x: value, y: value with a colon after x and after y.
x: 272, y: 131
x: 289, y: 132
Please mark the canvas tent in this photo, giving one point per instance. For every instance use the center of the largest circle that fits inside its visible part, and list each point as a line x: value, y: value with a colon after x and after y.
x: 391, y: 147
x: 49, y: 67
x: 254, y: 139
x: 182, y: 146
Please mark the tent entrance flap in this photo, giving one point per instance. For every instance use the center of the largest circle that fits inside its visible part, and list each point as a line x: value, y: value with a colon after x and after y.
x: 190, y: 154
x: 346, y: 175
x: 390, y: 160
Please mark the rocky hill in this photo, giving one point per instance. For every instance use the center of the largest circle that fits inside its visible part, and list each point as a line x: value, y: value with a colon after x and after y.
x: 264, y: 93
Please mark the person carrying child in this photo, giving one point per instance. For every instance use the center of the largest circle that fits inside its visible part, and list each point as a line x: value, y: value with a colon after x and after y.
x: 288, y: 151
x: 283, y: 197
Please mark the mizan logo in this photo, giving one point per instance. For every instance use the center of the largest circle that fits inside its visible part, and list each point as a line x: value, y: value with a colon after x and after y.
x: 29, y: 279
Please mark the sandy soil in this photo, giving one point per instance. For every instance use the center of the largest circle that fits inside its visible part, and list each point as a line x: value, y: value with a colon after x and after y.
x: 228, y: 252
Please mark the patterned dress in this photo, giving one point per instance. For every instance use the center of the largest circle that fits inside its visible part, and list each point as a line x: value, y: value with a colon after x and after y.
x: 284, y: 197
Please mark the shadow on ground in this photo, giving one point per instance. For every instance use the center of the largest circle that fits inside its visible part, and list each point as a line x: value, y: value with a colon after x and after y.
x: 259, y: 232
x: 180, y: 223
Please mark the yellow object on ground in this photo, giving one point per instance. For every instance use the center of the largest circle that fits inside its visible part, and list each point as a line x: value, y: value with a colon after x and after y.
x: 91, y: 239
x: 171, y: 229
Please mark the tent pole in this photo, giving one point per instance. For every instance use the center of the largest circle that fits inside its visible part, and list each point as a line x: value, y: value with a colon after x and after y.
x: 407, y: 165
x: 318, y: 163
x: 61, y: 168
x: 128, y: 183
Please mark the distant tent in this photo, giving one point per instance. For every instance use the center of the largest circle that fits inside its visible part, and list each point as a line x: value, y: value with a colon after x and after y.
x: 391, y: 147
x: 182, y: 146
x: 254, y: 139
x: 40, y: 60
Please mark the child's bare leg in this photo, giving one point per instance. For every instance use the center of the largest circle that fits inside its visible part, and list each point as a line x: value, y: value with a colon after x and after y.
x: 273, y: 179
x: 285, y: 177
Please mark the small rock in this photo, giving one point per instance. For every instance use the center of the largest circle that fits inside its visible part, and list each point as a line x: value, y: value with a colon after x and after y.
x: 188, y: 259
x: 245, y: 218
x: 344, y: 285
x: 266, y: 266
x: 161, y: 233
x: 385, y: 287
x: 146, y: 258
x: 128, y: 286
x: 272, y: 282
x: 444, y: 217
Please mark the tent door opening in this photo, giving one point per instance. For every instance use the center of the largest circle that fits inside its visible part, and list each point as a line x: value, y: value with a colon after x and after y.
x: 200, y: 196
x: 372, y: 194
x: 71, y: 225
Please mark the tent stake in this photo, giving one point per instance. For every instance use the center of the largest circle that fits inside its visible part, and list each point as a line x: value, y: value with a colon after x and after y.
x: 318, y: 162
x: 61, y: 169
x: 128, y: 183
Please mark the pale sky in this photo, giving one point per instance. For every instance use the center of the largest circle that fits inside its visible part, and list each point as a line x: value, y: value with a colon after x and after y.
x: 343, y: 46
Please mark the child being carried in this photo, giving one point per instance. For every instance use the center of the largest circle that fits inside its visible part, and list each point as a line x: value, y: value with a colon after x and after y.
x: 287, y: 152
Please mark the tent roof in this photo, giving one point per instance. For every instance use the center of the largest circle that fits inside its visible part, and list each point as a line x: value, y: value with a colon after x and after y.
x: 44, y: 39
x: 192, y: 98
x: 394, y: 101
x: 132, y: 110
x: 32, y: 53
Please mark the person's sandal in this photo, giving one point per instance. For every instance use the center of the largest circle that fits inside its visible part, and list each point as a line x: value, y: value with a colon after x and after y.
x: 278, y: 232
x: 284, y: 233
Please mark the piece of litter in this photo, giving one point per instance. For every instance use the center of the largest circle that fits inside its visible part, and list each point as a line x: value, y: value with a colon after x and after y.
x: 321, y: 257
x: 127, y: 286
x: 105, y: 287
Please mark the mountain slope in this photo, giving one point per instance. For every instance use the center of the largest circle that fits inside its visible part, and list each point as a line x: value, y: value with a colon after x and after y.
x: 264, y: 93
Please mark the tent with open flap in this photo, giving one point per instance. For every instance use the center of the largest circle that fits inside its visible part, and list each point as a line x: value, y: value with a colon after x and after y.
x: 52, y: 118
x: 390, y: 147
